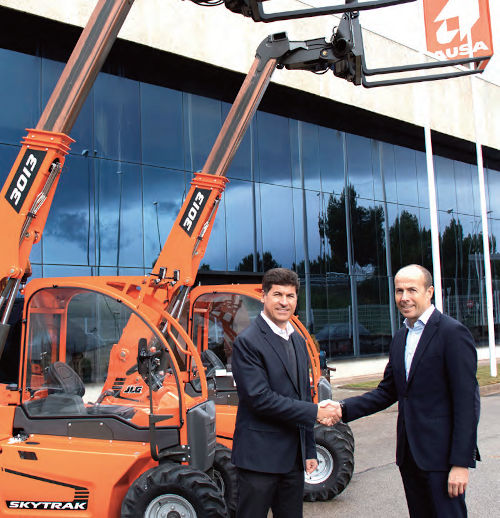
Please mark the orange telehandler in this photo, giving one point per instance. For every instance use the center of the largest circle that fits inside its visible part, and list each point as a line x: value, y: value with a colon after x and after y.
x: 109, y: 412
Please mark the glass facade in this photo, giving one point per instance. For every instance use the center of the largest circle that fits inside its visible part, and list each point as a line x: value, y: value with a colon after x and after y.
x: 345, y: 211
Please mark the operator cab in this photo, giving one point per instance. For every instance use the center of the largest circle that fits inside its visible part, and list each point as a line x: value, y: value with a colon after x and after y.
x: 81, y: 363
x: 218, y: 313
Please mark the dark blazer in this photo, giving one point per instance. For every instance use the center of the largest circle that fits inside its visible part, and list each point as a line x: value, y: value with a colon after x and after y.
x: 275, y: 416
x: 439, y: 404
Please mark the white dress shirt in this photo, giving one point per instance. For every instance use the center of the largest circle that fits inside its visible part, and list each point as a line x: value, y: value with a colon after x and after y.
x: 413, y: 336
x: 284, y: 333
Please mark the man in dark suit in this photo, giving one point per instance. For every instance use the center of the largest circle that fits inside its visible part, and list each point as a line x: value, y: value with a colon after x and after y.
x: 274, y: 438
x: 432, y: 374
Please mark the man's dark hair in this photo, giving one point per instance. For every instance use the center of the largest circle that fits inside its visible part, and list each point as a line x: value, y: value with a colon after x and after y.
x: 425, y: 272
x: 281, y: 277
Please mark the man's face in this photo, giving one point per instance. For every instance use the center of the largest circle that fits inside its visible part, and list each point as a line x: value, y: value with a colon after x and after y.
x: 279, y: 304
x: 412, y: 297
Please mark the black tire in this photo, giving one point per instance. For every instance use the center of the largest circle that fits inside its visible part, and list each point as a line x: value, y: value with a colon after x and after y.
x: 165, y: 489
x: 226, y: 478
x: 346, y: 431
x: 335, y: 449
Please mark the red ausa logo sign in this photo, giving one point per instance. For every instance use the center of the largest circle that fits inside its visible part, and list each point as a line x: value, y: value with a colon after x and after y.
x: 458, y: 28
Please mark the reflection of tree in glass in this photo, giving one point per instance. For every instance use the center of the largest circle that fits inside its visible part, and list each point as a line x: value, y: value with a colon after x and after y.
x: 246, y: 264
x: 457, y: 249
x: 452, y: 250
x: 316, y: 266
x: 410, y: 244
x: 71, y: 226
x: 366, y: 228
x: 473, y: 243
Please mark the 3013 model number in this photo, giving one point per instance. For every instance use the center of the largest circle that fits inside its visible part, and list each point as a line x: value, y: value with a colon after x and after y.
x: 194, y: 209
x: 23, y: 179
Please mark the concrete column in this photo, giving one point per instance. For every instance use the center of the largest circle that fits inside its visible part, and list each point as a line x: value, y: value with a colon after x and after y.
x: 431, y: 182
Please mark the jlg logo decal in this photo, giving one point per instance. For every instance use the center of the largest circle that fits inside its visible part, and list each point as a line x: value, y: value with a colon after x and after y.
x: 23, y: 179
x: 192, y: 213
x: 458, y: 28
x: 133, y: 389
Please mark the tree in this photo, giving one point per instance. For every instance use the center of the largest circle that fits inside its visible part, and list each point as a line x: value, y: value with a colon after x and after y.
x: 452, y: 239
x: 410, y: 244
x: 316, y: 266
x: 366, y: 228
x: 246, y: 264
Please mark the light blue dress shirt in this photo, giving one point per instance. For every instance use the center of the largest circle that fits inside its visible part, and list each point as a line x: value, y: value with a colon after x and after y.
x: 413, y: 336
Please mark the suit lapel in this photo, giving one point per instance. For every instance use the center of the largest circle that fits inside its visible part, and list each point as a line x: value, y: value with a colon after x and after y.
x: 399, y: 353
x: 425, y: 339
x: 299, y: 356
x: 274, y: 341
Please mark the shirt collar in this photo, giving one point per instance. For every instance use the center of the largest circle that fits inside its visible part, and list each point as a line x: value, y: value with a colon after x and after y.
x: 422, y: 320
x: 284, y: 333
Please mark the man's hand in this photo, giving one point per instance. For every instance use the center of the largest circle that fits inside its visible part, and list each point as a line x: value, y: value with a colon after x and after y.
x: 329, y: 412
x: 457, y: 481
x: 311, y: 465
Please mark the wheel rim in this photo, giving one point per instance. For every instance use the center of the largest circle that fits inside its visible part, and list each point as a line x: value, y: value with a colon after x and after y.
x: 170, y: 506
x: 219, y: 481
x: 324, y: 469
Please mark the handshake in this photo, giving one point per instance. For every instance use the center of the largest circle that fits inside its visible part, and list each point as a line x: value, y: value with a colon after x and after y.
x: 329, y: 412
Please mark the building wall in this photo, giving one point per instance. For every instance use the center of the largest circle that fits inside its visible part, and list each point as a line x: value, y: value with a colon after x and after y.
x: 139, y: 141
x: 137, y: 145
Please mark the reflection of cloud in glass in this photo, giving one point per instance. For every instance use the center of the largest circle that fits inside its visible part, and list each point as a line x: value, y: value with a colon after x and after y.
x: 239, y: 220
x: 203, y: 123
x: 165, y: 188
x: 166, y: 209
x: 215, y: 255
x: 406, y: 175
x: 445, y: 183
x: 273, y: 153
x: 121, y: 228
x: 359, y: 164
x: 71, y: 226
x: 277, y: 223
x: 161, y: 126
x: 22, y: 81
x: 66, y: 238
x: 117, y: 136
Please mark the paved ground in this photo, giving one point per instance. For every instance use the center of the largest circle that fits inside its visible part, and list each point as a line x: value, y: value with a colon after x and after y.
x: 376, y: 489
